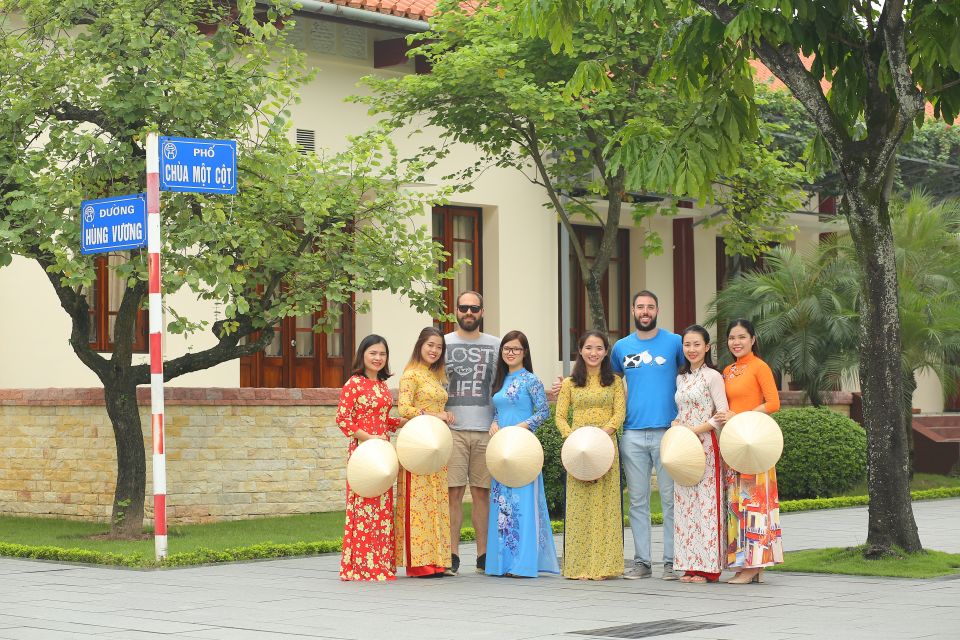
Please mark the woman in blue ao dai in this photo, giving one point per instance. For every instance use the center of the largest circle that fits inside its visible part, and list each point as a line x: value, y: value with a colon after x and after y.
x: 519, y: 537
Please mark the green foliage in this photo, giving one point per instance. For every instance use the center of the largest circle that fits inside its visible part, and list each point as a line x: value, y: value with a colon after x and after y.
x: 204, y: 555
x: 554, y: 475
x: 595, y: 126
x: 82, y: 85
x: 806, y: 307
x: 824, y: 453
x: 838, y: 502
x: 805, y: 327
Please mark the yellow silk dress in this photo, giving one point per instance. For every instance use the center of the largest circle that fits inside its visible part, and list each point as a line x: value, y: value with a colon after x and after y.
x: 593, y: 523
x: 422, y: 515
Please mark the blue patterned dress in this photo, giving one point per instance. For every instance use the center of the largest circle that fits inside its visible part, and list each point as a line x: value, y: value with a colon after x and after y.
x: 519, y: 537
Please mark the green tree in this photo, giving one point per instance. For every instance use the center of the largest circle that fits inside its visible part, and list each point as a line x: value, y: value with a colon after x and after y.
x: 82, y: 82
x: 803, y: 310
x: 883, y: 62
x: 806, y: 306
x: 531, y: 109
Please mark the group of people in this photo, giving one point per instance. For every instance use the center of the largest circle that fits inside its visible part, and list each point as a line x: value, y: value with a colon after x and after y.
x: 477, y: 384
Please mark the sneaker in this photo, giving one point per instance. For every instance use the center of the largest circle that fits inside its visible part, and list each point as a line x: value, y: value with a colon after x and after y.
x: 637, y: 571
x: 481, y: 563
x: 669, y: 573
x: 454, y: 566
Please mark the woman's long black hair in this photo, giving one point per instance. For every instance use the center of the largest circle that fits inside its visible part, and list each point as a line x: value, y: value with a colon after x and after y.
x: 357, y: 369
x: 579, y: 373
x: 502, y: 366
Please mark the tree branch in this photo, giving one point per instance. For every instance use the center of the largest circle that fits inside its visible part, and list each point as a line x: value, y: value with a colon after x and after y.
x: 785, y: 63
x: 537, y: 157
x: 76, y: 307
x: 909, y: 98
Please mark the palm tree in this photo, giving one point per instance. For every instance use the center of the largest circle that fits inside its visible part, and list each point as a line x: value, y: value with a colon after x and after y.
x: 805, y: 328
x: 805, y: 307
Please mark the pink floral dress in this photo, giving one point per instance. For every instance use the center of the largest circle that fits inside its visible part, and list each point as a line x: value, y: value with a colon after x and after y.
x: 698, y: 510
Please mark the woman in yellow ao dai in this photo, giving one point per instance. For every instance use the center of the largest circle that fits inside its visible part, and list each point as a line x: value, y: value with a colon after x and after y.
x: 422, y: 516
x: 593, y: 523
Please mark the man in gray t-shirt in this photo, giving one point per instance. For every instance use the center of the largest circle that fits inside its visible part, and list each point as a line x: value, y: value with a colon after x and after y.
x: 471, y: 364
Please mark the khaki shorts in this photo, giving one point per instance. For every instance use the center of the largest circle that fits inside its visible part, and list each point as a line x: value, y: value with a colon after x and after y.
x: 468, y: 461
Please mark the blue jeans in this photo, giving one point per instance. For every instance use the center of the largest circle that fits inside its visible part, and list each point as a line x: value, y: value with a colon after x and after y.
x: 640, y: 454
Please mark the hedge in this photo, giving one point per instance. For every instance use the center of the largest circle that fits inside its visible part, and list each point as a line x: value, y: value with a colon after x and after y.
x: 269, y: 550
x: 824, y: 453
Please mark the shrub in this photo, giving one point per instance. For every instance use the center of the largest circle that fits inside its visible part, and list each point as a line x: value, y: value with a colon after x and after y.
x: 554, y: 475
x: 824, y: 453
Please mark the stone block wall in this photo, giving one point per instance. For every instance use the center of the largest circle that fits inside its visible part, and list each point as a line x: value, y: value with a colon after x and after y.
x: 231, y: 453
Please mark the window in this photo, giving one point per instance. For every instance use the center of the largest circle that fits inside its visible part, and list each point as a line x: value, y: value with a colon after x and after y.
x: 306, y: 141
x: 458, y: 230
x: 614, y: 287
x: 103, y: 299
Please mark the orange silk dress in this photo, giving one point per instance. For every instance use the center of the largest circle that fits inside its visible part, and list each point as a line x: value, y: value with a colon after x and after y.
x: 753, y: 506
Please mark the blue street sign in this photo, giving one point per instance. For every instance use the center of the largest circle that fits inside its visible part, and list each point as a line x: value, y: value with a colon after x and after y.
x: 113, y: 224
x: 198, y: 166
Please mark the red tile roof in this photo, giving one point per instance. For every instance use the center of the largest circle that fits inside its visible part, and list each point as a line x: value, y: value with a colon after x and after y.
x: 413, y: 9
x: 763, y: 75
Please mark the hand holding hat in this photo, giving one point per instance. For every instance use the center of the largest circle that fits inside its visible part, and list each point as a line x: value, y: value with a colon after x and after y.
x: 587, y: 453
x: 514, y: 456
x: 751, y: 442
x: 372, y: 468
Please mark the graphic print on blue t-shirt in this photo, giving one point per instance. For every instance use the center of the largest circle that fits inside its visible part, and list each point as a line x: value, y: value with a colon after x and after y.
x: 649, y: 368
x: 633, y: 360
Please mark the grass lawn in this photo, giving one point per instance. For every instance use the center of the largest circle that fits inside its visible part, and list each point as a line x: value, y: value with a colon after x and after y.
x: 220, y: 535
x: 850, y: 560
x: 316, y: 527
x: 920, y: 482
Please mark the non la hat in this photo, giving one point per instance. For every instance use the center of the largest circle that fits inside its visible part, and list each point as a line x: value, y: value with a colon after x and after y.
x: 514, y: 456
x: 587, y: 453
x: 751, y: 442
x: 372, y: 468
x: 424, y: 445
x: 681, y: 453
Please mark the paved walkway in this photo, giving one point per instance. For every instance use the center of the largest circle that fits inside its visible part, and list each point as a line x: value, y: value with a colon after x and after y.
x: 303, y: 599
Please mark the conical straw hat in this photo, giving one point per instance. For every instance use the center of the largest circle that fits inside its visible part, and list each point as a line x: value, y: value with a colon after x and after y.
x: 424, y: 445
x: 372, y: 468
x: 514, y: 456
x: 751, y: 442
x: 682, y: 455
x: 587, y: 453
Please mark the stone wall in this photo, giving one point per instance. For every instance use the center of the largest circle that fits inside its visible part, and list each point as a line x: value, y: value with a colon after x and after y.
x: 231, y: 453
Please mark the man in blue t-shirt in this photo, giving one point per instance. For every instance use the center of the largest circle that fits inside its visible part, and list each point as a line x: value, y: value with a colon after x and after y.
x: 648, y: 360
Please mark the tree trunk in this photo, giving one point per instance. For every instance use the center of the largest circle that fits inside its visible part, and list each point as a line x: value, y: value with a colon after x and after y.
x: 909, y: 387
x: 127, y: 515
x: 891, y: 522
x: 598, y: 318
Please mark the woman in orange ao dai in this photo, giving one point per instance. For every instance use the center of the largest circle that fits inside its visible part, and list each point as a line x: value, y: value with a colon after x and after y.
x: 753, y: 511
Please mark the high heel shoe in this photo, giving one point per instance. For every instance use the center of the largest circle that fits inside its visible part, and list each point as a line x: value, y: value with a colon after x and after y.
x: 740, y: 578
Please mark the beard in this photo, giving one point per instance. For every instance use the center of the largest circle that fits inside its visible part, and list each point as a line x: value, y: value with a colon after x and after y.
x: 468, y: 323
x: 645, y: 327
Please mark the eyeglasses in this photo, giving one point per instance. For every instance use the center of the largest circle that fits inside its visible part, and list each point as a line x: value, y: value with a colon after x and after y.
x: 472, y: 308
x: 513, y: 350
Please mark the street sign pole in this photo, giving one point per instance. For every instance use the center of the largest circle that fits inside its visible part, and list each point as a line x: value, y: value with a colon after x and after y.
x: 156, y: 347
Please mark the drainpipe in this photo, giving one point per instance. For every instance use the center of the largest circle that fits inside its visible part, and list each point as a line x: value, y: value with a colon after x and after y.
x: 385, y: 20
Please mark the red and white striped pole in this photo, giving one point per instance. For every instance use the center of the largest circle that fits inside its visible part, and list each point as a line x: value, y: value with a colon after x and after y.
x: 156, y: 347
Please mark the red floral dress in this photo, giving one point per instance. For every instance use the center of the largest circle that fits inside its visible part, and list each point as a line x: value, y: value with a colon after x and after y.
x: 368, y: 533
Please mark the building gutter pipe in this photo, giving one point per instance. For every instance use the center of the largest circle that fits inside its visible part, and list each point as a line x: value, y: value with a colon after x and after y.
x: 385, y: 20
